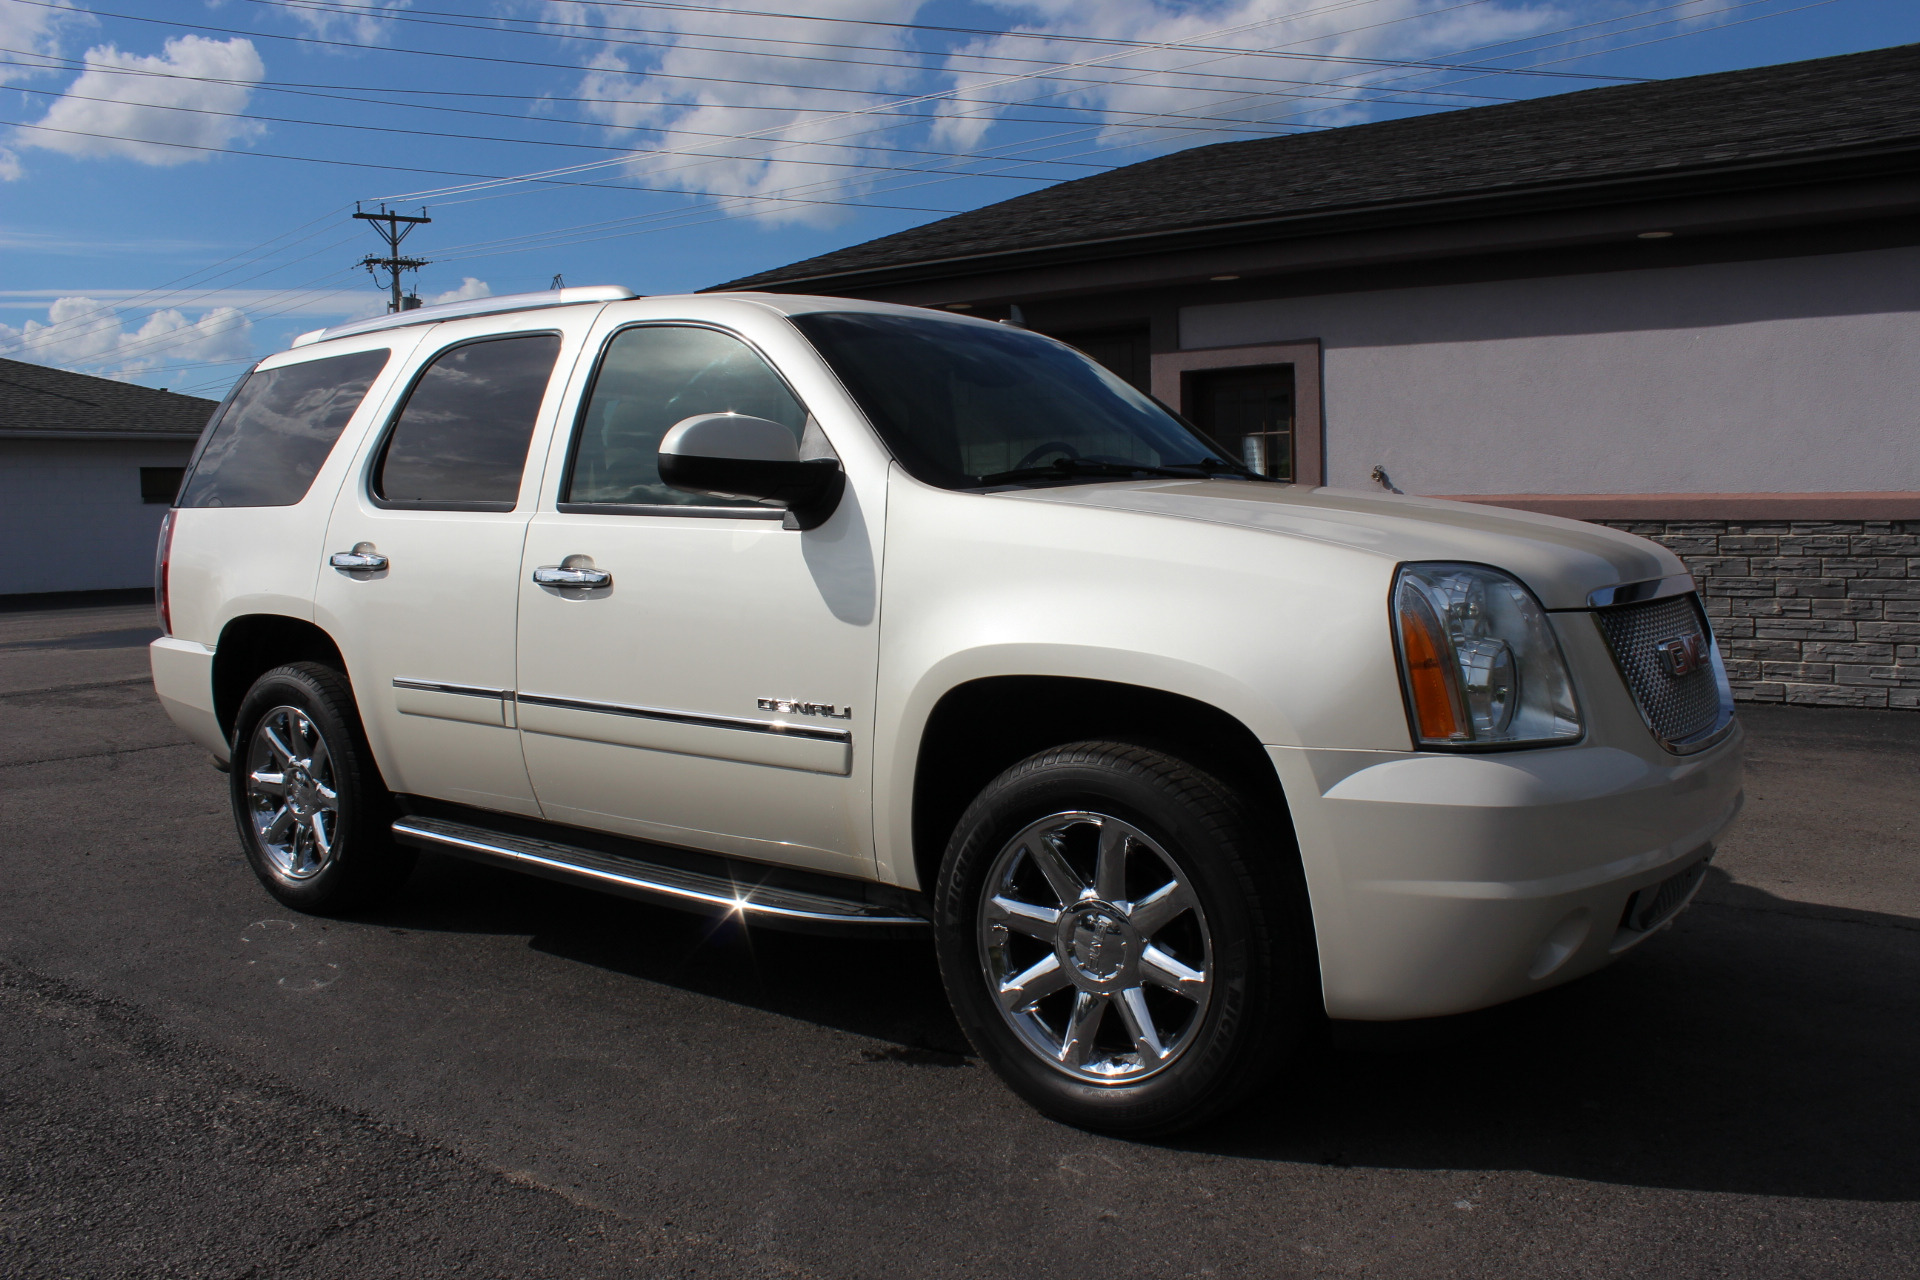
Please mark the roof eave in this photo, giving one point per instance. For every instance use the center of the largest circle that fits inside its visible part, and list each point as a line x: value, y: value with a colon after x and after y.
x: 1902, y: 155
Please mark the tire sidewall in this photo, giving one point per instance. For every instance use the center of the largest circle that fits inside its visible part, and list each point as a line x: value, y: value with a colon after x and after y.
x: 1242, y: 948
x: 361, y: 842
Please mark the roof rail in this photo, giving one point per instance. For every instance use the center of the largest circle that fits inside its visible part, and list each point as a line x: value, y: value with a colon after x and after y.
x: 473, y: 307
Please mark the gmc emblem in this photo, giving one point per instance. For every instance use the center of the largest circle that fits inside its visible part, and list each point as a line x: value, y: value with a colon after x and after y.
x: 1682, y: 655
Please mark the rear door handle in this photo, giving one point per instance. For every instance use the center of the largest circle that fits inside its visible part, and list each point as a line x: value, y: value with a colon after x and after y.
x: 548, y: 575
x: 361, y: 557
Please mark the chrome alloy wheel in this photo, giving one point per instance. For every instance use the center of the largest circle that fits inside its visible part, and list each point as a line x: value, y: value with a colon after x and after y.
x: 1095, y: 947
x: 291, y: 794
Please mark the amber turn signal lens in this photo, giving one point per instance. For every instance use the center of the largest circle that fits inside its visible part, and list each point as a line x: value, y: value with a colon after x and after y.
x: 1430, y: 683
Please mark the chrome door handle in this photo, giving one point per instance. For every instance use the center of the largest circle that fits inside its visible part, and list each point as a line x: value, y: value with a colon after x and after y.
x: 548, y: 575
x: 357, y: 559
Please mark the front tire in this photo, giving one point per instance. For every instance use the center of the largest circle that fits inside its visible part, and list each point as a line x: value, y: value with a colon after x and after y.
x: 313, y: 814
x: 1123, y: 940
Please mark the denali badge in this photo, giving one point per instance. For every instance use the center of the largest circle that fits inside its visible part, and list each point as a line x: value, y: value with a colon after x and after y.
x: 1682, y: 655
x: 788, y: 707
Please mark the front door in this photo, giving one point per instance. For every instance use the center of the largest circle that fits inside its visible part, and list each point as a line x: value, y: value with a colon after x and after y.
x: 437, y: 506
x: 717, y: 692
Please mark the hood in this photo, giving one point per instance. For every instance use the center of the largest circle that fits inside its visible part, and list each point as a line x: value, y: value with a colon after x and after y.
x: 1561, y: 560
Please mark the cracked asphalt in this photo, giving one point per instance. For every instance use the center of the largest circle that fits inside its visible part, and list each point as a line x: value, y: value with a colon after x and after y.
x: 503, y: 1077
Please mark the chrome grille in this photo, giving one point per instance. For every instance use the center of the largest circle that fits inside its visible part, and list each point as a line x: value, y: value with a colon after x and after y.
x: 1676, y: 708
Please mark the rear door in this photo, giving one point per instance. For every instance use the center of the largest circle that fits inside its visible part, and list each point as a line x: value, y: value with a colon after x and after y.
x: 437, y: 508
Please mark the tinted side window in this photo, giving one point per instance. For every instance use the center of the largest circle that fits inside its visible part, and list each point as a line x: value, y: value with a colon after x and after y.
x: 279, y: 427
x: 461, y: 439
x: 650, y: 378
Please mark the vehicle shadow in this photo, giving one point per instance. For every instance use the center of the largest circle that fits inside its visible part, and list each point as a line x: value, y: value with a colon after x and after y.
x: 1760, y: 1046
x: 886, y: 990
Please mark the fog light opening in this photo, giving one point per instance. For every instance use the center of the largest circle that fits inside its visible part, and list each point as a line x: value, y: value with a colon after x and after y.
x: 1561, y: 943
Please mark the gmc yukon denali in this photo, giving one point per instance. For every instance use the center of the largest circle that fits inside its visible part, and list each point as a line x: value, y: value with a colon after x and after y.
x: 835, y: 615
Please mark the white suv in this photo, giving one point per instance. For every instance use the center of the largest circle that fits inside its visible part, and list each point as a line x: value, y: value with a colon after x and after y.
x: 839, y: 615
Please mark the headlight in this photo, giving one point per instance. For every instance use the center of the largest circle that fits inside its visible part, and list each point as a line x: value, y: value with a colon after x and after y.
x: 1479, y: 661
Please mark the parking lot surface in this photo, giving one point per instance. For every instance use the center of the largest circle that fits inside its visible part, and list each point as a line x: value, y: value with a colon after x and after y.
x: 503, y: 1077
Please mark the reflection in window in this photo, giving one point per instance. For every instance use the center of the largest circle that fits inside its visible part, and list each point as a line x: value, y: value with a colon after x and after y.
x: 650, y: 378
x: 461, y: 441
x: 959, y: 401
x: 279, y: 427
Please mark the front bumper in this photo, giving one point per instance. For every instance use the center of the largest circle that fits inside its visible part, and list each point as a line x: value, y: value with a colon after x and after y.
x: 1444, y: 883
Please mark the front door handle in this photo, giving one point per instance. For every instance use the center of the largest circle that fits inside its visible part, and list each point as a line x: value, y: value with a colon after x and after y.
x: 549, y: 575
x: 363, y: 556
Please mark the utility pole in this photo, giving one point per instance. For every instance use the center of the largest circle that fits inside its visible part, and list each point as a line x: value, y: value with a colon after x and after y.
x: 398, y: 227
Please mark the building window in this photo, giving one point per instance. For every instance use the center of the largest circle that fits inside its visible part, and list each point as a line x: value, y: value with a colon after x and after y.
x: 1123, y: 351
x: 1249, y: 413
x: 160, y: 484
x: 1260, y: 403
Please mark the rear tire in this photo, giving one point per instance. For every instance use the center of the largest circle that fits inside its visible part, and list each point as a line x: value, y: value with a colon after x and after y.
x: 313, y: 814
x: 1124, y: 942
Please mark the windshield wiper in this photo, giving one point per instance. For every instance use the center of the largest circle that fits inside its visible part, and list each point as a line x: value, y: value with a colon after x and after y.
x: 1069, y: 468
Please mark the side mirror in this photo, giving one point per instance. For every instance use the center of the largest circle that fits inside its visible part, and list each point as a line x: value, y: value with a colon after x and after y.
x: 732, y: 455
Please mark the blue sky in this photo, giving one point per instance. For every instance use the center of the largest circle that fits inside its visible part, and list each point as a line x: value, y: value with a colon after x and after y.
x: 176, y: 176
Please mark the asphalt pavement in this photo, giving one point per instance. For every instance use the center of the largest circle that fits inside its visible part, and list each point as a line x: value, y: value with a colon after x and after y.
x: 503, y: 1077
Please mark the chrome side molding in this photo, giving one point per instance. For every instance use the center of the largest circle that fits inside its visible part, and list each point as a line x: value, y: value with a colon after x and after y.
x: 1678, y: 584
x: 437, y: 686
x: 779, y: 908
x: 700, y: 719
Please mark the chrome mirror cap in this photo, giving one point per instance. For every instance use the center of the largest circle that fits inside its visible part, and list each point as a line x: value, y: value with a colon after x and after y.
x: 736, y: 436
x: 734, y: 455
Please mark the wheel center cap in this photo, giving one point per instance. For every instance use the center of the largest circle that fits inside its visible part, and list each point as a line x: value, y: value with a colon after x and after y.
x: 300, y: 793
x: 1096, y: 942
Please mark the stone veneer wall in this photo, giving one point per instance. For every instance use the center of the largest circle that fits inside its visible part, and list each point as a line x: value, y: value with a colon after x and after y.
x: 1821, y: 613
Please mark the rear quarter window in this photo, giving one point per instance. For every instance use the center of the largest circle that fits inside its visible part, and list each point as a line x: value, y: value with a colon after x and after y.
x: 278, y: 429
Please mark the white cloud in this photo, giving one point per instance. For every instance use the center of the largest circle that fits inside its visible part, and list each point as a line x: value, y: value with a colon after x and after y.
x: 9, y: 165
x: 977, y: 81
x: 116, y: 115
x: 705, y: 69
x: 32, y: 29
x: 469, y: 288
x: 365, y: 29
x: 88, y: 334
x: 1143, y: 83
x: 304, y: 302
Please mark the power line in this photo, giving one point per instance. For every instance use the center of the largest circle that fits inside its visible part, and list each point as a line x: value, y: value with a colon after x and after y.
x: 75, y: 64
x: 949, y: 177
x: 624, y: 71
x: 455, y: 173
x: 388, y: 15
x: 409, y: 16
x: 624, y: 152
x: 909, y: 101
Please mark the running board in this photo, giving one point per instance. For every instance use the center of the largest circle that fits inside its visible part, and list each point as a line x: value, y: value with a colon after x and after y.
x: 761, y: 904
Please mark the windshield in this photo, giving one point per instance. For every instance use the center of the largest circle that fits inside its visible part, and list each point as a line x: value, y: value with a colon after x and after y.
x: 964, y: 406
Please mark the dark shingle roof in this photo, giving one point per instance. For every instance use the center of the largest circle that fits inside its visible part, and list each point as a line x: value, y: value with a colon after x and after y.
x: 39, y: 400
x: 1701, y: 124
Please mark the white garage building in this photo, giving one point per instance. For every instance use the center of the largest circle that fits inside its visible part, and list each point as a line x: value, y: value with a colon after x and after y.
x: 87, y: 468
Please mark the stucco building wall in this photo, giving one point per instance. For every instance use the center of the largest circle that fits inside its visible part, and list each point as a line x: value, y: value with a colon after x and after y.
x: 1789, y: 375
x: 71, y: 513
